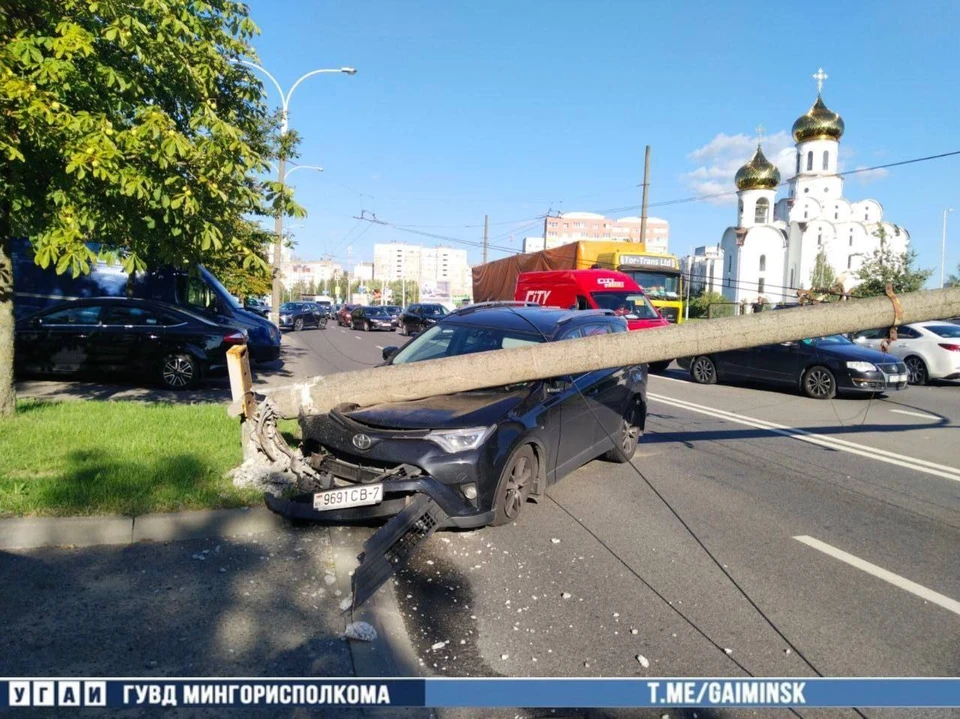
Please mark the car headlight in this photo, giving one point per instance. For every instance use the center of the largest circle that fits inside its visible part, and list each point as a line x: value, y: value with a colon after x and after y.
x: 862, y: 366
x: 284, y: 318
x: 460, y: 440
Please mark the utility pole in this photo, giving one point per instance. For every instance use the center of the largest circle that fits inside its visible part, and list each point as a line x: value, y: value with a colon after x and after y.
x: 943, y: 245
x: 643, y: 201
x: 277, y: 287
x: 486, y: 236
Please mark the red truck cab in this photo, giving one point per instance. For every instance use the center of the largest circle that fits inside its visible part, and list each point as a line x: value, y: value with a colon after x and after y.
x: 590, y: 289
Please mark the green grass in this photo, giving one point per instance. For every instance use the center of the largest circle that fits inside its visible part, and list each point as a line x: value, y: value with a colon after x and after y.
x: 83, y: 458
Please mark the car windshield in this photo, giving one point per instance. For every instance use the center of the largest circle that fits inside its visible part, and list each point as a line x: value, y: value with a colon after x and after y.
x: 658, y: 285
x: 450, y: 340
x: 951, y: 331
x: 632, y: 305
x: 290, y: 307
x: 828, y: 340
x: 376, y: 311
x: 434, y: 310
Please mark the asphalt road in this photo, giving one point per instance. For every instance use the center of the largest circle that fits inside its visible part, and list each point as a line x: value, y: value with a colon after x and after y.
x: 756, y: 531
x: 733, y: 544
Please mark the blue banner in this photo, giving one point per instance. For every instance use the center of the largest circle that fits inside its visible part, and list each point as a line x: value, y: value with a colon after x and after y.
x: 442, y: 692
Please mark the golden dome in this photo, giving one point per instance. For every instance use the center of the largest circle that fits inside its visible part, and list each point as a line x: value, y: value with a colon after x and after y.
x: 758, y: 174
x: 820, y: 123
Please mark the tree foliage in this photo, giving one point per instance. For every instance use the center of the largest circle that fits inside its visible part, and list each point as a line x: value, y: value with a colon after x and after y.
x: 131, y: 124
x: 953, y: 280
x: 823, y: 275
x: 700, y: 304
x: 885, y: 265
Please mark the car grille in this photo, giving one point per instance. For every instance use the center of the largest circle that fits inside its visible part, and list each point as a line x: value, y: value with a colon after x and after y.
x: 893, y: 368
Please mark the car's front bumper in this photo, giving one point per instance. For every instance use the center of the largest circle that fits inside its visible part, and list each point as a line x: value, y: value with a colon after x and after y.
x: 397, y: 494
x: 871, y: 382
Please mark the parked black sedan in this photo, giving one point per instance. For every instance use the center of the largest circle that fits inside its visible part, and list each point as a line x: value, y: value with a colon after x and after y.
x: 477, y: 455
x: 821, y: 367
x: 297, y: 315
x: 417, y: 318
x: 140, y: 338
x: 372, y: 317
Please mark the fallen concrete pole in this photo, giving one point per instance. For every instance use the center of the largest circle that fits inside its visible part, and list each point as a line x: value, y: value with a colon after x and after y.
x: 501, y: 367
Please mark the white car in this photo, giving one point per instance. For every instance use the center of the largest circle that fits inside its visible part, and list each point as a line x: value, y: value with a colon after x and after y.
x: 930, y: 350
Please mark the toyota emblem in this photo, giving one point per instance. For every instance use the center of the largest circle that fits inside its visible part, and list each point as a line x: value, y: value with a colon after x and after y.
x: 362, y: 441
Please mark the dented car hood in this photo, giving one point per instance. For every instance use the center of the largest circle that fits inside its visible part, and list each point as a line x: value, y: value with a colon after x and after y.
x: 465, y: 409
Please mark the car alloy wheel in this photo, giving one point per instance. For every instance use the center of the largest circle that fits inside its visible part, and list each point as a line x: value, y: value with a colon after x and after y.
x: 403, y: 330
x: 703, y: 370
x: 366, y: 326
x: 179, y: 372
x: 916, y: 370
x: 516, y: 481
x: 819, y: 383
x: 298, y: 324
x: 627, y: 437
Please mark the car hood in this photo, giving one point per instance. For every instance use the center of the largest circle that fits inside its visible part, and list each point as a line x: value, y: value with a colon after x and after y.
x: 465, y: 409
x: 852, y: 353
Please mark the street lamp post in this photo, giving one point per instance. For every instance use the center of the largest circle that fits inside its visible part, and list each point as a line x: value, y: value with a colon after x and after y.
x: 282, y: 171
x: 943, y: 246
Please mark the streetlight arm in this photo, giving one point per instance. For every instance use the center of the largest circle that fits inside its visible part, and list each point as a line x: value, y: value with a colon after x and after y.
x: 283, y: 98
x: 303, y: 167
x: 286, y: 101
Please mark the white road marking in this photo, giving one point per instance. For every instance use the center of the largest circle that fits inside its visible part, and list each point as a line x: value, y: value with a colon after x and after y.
x: 356, y: 337
x: 378, y: 347
x: 915, y: 414
x: 881, y: 455
x: 894, y: 579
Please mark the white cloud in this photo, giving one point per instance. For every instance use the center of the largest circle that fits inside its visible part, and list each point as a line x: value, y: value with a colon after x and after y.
x: 721, y: 158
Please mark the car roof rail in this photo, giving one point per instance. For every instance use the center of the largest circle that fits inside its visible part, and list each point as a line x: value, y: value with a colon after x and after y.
x: 493, y: 303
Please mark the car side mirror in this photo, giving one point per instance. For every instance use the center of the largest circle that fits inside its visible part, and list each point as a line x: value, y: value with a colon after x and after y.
x: 388, y: 353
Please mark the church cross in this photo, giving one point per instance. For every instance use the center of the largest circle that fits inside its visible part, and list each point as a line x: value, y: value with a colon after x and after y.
x: 820, y: 76
x: 759, y: 130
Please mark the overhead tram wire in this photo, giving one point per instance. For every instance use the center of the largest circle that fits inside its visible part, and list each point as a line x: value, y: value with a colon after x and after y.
x: 693, y: 535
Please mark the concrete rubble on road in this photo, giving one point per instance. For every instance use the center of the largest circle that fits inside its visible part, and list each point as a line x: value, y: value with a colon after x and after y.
x: 360, y: 631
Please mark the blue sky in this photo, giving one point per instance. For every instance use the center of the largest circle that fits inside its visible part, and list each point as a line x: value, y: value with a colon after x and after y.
x: 517, y: 108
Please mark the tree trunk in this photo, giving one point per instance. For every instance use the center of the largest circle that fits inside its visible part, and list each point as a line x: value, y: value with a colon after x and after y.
x: 8, y: 395
x: 502, y: 367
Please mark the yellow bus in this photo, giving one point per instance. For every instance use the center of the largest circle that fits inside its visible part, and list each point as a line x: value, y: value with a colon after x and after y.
x: 659, y: 275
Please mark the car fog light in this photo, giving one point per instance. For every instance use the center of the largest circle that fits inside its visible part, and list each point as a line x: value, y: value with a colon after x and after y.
x: 470, y: 490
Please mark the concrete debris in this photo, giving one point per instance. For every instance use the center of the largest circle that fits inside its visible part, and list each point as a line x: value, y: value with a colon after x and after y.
x: 644, y: 662
x: 566, y: 595
x: 634, y: 631
x: 361, y: 631
x: 261, y: 474
x: 504, y: 656
x: 554, y: 540
x: 329, y: 579
x: 346, y: 603
x: 728, y: 651
x: 438, y: 645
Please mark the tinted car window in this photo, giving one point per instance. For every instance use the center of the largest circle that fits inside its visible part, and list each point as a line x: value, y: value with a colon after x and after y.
x: 828, y: 340
x: 85, y: 315
x: 127, y: 315
x: 433, y: 310
x: 871, y: 334
x: 596, y: 329
x: 951, y: 331
x: 446, y: 340
x: 197, y: 293
x: 376, y: 312
x: 907, y: 333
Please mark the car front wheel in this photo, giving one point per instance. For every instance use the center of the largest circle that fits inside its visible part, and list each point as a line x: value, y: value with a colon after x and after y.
x: 180, y: 372
x: 298, y: 324
x: 703, y: 370
x: 916, y: 370
x: 819, y: 383
x: 514, y: 486
x: 366, y: 326
x: 626, y: 438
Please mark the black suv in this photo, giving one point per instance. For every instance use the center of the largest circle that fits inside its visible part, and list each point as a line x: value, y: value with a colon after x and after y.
x: 478, y: 455
x: 372, y: 317
x: 417, y: 318
x: 297, y: 315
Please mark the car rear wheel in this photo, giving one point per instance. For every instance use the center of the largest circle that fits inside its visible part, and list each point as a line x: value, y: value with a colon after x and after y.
x: 703, y: 370
x: 514, y: 486
x: 366, y: 326
x: 298, y: 324
x: 627, y: 437
x: 819, y: 383
x: 916, y: 370
x: 180, y: 372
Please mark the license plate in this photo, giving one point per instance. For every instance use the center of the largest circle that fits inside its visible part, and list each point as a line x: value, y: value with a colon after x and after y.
x: 359, y: 496
x: 896, y: 378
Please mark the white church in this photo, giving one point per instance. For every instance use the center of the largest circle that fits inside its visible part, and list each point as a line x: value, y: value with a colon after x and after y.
x: 772, y: 251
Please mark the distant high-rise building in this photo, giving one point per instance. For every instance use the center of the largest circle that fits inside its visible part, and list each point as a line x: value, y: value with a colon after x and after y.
x: 704, y: 268
x: 580, y: 226
x: 423, y: 265
x: 306, y: 272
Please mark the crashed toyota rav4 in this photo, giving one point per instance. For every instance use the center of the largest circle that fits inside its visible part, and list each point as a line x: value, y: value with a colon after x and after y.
x: 473, y: 458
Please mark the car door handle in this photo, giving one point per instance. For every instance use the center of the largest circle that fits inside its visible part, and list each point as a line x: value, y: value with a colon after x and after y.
x: 153, y: 337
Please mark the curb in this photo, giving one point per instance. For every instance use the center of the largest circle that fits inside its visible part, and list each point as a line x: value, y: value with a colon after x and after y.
x: 36, y: 532
x: 391, y: 654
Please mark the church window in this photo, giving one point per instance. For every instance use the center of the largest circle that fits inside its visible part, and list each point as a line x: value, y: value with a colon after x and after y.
x: 849, y: 262
x: 741, y: 208
x: 819, y: 239
x: 763, y: 263
x: 826, y: 159
x: 792, y: 270
x: 760, y: 286
x: 836, y: 214
x: 809, y: 161
x: 730, y: 263
x: 866, y: 214
x: 806, y: 189
x: 798, y: 162
x: 761, y: 212
x: 806, y: 212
